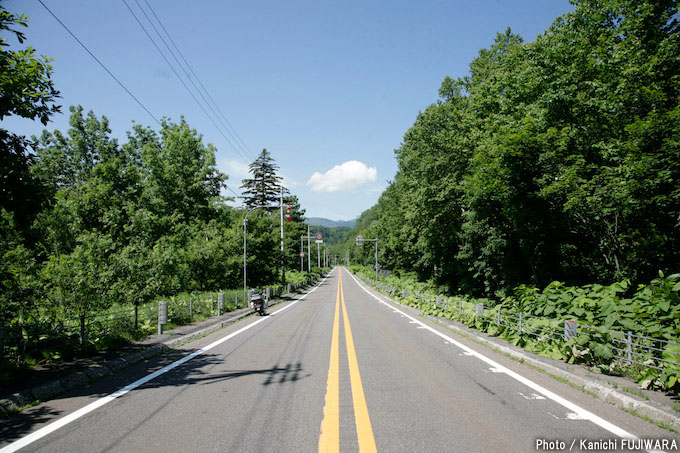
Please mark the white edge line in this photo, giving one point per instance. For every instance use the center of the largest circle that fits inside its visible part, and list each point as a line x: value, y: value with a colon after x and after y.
x: 52, y: 427
x: 587, y: 415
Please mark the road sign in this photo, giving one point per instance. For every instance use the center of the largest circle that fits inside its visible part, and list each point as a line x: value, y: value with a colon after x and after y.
x: 319, y: 236
x: 319, y: 241
x: 360, y: 240
x: 302, y: 254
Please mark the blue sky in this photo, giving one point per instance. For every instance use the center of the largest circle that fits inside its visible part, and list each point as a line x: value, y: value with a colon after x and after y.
x: 328, y: 87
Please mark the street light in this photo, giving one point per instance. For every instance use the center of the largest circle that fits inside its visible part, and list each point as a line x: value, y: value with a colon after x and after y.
x: 245, y: 222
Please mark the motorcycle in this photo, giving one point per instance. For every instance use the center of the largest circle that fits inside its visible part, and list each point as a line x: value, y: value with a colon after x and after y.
x: 258, y: 303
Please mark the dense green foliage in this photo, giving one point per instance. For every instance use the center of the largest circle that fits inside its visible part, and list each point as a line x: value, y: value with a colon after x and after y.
x: 26, y: 91
x: 556, y: 159
x: 89, y: 225
x: 126, y: 224
x: 604, y: 315
x: 331, y: 235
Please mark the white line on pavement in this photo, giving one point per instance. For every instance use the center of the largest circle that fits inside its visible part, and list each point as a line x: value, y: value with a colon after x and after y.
x: 579, y: 411
x: 52, y: 427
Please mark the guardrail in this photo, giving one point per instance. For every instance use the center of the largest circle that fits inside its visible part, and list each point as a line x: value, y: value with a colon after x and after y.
x: 627, y: 347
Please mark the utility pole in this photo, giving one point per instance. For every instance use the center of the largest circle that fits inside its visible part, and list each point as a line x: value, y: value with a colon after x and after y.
x: 283, y: 266
x: 360, y: 241
x: 245, y: 243
x: 309, y: 252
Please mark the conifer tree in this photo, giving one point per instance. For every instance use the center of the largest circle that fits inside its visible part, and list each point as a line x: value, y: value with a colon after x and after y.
x: 265, y: 185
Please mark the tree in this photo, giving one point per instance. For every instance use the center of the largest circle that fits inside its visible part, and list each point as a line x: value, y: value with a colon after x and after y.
x: 264, y: 188
x: 182, y: 181
x: 556, y: 159
x: 26, y: 90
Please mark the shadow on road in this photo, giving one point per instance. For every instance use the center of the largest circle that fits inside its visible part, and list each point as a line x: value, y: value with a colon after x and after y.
x: 201, y: 370
x: 14, y: 427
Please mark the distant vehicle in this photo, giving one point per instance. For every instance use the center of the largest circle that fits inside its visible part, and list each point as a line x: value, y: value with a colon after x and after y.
x: 258, y: 303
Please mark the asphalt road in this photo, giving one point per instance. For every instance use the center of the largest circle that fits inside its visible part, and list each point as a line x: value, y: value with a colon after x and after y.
x: 338, y: 371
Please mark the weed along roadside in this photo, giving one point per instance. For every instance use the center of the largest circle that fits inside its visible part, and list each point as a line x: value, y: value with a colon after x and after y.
x: 571, y: 350
x: 55, y: 378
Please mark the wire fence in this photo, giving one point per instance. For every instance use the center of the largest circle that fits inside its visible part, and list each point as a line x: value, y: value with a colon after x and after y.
x: 627, y: 347
x: 61, y: 337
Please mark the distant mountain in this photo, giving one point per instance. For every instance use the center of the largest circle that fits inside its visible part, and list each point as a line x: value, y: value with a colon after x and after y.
x: 330, y: 223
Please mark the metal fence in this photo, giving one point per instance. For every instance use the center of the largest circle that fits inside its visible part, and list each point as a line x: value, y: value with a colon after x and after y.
x: 54, y: 335
x: 625, y: 346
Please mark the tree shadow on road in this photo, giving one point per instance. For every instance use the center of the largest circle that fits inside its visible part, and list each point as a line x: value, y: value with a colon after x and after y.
x: 274, y: 375
x: 201, y: 370
x: 13, y: 427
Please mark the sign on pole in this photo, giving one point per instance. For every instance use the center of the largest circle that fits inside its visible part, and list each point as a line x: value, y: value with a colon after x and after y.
x: 319, y: 236
x: 360, y: 240
x: 302, y: 254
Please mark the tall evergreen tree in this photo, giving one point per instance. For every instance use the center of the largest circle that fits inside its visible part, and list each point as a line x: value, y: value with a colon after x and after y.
x: 265, y: 186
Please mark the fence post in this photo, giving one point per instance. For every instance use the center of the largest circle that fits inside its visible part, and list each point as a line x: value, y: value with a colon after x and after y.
x: 447, y: 304
x: 191, y: 309
x: 570, y: 330
x: 498, y: 319
x: 520, y: 323
x: 629, y: 347
x: 162, y: 315
x: 82, y: 329
x: 136, y: 315
x: 220, y: 303
x: 460, y: 307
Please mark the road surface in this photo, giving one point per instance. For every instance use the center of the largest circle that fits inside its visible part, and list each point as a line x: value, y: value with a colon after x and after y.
x: 339, y: 370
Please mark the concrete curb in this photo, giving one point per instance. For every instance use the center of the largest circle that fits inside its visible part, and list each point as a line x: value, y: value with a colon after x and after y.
x: 663, y: 415
x: 600, y: 390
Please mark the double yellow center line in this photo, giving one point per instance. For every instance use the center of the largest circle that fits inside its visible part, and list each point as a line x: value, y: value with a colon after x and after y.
x: 329, y: 440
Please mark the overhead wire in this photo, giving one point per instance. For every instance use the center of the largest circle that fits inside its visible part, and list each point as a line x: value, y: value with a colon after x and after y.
x: 240, y: 140
x: 101, y: 64
x: 182, y: 80
x: 121, y: 84
x: 198, y: 90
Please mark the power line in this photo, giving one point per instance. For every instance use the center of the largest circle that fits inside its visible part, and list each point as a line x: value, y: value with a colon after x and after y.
x: 180, y: 78
x: 244, y: 145
x: 115, y: 78
x: 100, y: 63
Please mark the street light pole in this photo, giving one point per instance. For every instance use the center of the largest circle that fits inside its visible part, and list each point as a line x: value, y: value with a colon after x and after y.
x: 245, y: 263
x: 283, y: 264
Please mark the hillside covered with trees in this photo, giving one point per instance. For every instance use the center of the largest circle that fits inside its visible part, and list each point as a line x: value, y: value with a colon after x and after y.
x: 556, y: 159
x: 88, y: 223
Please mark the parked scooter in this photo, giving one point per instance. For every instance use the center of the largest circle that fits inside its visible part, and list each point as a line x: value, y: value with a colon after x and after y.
x: 258, y: 303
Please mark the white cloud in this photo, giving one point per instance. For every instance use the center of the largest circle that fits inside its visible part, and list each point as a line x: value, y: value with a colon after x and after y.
x: 287, y: 182
x: 342, y: 178
x: 236, y: 170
